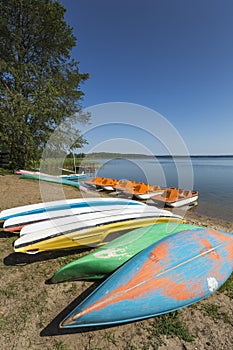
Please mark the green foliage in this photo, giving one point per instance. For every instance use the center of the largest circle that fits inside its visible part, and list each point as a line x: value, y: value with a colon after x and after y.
x: 39, y: 81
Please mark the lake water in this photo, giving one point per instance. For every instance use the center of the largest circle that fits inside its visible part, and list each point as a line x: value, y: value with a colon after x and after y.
x: 212, y: 177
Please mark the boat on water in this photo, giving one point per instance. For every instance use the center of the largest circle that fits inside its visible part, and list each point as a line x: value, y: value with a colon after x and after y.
x: 89, y: 230
x: 171, y: 274
x: 104, y: 260
x: 174, y: 197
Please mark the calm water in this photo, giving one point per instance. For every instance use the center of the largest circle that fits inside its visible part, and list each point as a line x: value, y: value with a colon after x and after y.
x: 212, y: 177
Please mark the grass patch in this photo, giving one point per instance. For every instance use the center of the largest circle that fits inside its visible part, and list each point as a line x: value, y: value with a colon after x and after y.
x: 9, y: 291
x: 61, y: 346
x: 228, y: 287
x: 214, y: 311
x: 169, y: 325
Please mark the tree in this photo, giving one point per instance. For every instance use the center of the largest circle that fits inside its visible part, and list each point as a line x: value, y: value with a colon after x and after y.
x: 39, y: 80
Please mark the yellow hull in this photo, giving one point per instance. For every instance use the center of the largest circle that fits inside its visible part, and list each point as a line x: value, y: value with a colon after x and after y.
x: 92, y: 237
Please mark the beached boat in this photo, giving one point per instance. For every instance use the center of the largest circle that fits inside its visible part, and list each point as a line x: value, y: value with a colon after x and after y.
x: 174, y: 197
x: 108, y: 258
x: 143, y: 191
x: 77, y: 222
x: 124, y: 185
x: 94, y: 182
x: 64, y: 204
x: 72, y: 177
x: 15, y: 224
x: 178, y: 271
x: 89, y: 230
x: 108, y: 184
x: 50, y: 178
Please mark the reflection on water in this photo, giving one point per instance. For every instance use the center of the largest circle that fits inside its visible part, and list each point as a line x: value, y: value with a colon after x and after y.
x: 210, y: 176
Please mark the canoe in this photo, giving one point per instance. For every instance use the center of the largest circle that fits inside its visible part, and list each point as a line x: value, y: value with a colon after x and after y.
x: 15, y: 224
x: 86, y: 232
x: 64, y: 204
x: 174, y: 273
x: 174, y: 197
x: 108, y: 258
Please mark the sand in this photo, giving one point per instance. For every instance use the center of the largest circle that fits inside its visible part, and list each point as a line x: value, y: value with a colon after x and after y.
x: 31, y: 309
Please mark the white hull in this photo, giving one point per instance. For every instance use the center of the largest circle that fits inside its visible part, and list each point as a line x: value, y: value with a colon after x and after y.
x: 182, y: 202
x: 58, y: 227
x: 67, y: 223
x: 28, y: 209
x: 147, y: 195
x: 51, y: 215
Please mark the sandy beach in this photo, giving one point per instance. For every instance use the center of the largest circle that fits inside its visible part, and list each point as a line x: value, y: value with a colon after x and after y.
x: 31, y: 309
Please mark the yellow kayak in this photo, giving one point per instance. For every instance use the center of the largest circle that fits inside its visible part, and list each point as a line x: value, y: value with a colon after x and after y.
x: 87, y: 237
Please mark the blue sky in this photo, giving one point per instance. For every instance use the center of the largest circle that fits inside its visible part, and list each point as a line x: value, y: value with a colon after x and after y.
x: 172, y: 56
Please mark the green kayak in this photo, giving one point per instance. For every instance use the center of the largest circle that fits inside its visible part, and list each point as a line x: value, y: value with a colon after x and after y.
x: 109, y: 257
x: 50, y: 178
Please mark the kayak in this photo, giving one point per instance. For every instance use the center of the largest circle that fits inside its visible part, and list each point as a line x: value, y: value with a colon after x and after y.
x: 177, y: 271
x: 108, y: 258
x: 87, y: 232
x: 64, y: 204
x: 17, y: 223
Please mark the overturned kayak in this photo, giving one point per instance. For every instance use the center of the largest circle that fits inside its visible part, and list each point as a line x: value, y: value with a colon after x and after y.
x: 17, y: 223
x: 108, y: 258
x: 174, y: 273
x: 64, y: 204
x: 89, y: 230
x: 72, y: 177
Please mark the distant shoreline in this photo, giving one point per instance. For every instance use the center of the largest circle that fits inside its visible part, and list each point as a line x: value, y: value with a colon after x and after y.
x: 106, y: 155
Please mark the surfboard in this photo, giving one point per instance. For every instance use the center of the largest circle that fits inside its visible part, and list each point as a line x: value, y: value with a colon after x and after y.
x: 108, y: 258
x: 174, y: 273
x: 63, y: 204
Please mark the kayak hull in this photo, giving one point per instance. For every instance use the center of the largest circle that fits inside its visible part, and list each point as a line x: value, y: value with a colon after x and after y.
x: 174, y: 273
x: 109, y: 257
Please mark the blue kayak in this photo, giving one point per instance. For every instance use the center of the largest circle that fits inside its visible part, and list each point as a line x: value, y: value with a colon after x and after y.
x: 174, y: 273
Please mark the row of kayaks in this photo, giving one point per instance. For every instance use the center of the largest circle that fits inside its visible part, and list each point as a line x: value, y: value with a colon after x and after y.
x: 78, y: 223
x: 169, y: 196
x: 153, y: 261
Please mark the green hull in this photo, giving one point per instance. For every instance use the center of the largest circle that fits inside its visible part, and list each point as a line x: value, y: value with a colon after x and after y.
x: 108, y: 258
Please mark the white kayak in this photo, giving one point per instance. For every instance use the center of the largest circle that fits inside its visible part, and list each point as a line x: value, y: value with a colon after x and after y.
x: 63, y: 204
x: 16, y: 223
x: 88, y: 229
x: 71, y: 222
